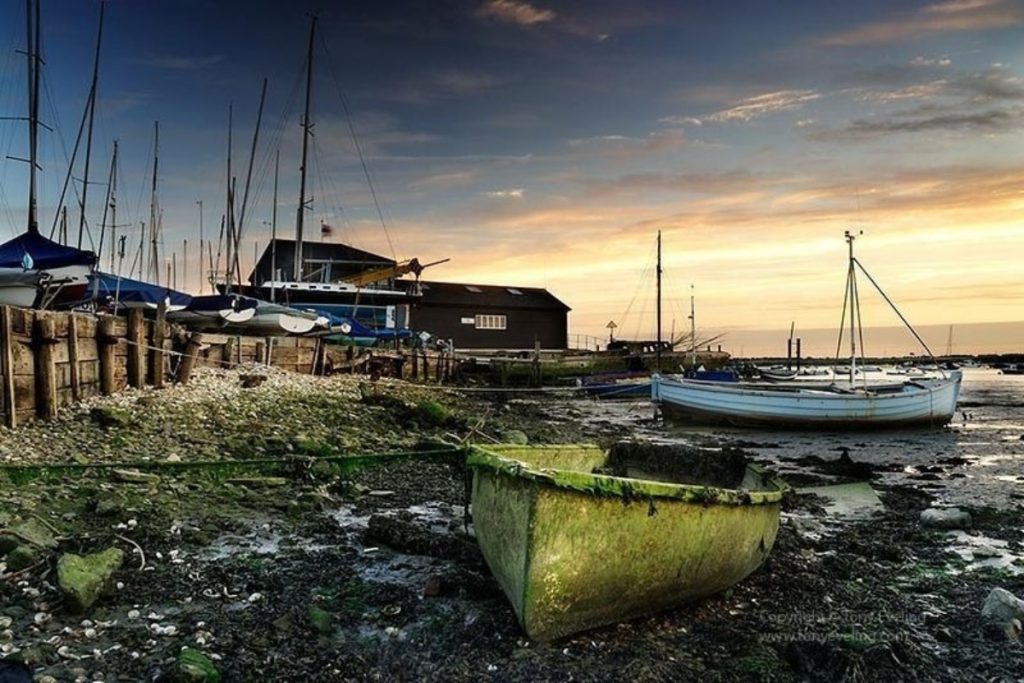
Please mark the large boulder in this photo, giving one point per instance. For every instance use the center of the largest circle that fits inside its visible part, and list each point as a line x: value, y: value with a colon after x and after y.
x: 1002, y: 607
x: 946, y: 518
x: 83, y: 579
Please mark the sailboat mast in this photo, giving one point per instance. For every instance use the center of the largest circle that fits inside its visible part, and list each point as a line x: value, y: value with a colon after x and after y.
x: 693, y: 333
x: 306, y: 128
x: 228, y: 210
x: 32, y: 53
x: 107, y: 206
x: 658, y: 347
x: 273, y: 230
x: 88, y: 138
x: 153, y: 222
x: 248, y: 182
x: 853, y: 307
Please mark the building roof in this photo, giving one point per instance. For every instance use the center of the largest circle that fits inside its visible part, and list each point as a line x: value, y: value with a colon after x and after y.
x: 347, y: 257
x: 459, y: 294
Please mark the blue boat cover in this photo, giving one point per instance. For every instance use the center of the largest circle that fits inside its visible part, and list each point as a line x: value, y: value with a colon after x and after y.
x: 43, y: 253
x: 105, y: 286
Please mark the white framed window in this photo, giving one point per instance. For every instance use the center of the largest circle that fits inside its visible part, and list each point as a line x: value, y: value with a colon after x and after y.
x: 490, y: 322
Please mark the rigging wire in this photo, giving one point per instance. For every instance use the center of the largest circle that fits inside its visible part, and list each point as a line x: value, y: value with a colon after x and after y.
x: 358, y: 146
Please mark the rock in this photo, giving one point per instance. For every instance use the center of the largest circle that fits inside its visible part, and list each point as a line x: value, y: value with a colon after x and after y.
x: 83, y: 578
x: 1003, y: 607
x: 136, y: 477
x: 321, y: 620
x: 193, y: 666
x: 515, y: 436
x: 946, y: 518
x: 30, y: 531
x: 252, y: 380
x: 258, y: 482
x: 109, y: 416
x: 14, y: 672
x: 432, y: 588
x: 108, y: 504
x: 22, y: 557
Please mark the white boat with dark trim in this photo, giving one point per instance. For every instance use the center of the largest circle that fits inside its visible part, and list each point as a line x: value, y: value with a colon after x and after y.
x: 927, y: 402
x: 855, y: 403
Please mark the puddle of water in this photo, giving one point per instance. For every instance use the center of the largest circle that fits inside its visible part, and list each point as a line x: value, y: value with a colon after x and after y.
x: 848, y: 501
x: 984, y: 552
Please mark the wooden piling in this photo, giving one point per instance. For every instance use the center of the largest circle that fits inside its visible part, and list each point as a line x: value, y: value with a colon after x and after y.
x: 136, y: 349
x: 44, y: 332
x: 73, y: 357
x: 106, y: 346
x: 229, y: 350
x: 158, y: 356
x: 188, y: 361
x: 7, y: 357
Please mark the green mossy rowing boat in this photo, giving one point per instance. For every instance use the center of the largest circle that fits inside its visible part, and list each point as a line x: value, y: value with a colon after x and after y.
x: 578, y: 537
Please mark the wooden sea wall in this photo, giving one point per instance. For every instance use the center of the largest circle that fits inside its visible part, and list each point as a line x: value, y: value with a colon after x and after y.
x: 49, y: 360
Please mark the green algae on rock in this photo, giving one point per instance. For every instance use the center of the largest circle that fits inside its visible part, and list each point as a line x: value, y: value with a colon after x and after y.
x: 83, y: 578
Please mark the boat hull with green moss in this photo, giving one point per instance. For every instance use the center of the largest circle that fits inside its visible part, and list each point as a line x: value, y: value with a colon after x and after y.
x: 578, y: 537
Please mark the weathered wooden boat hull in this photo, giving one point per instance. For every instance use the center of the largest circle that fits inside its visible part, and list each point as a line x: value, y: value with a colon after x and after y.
x: 574, y: 550
x: 930, y: 403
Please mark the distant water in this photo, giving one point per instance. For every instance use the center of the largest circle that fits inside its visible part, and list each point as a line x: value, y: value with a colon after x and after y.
x: 977, y: 460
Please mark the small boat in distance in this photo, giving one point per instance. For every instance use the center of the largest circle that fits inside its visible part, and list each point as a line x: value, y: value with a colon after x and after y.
x: 578, y: 537
x: 929, y: 402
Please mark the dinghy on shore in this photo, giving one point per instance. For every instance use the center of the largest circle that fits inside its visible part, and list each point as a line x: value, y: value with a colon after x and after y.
x: 578, y: 537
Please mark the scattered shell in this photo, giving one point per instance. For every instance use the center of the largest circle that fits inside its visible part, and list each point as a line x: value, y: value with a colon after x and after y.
x: 41, y: 618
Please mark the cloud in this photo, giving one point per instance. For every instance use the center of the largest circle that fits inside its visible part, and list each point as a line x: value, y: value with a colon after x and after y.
x: 182, y: 63
x: 440, y: 181
x: 624, y: 146
x: 512, y: 11
x: 954, y: 15
x: 931, y: 61
x: 762, y: 105
x: 515, y: 193
x: 989, y: 121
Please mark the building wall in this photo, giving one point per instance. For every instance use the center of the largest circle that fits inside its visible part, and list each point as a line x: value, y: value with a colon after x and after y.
x: 523, y: 326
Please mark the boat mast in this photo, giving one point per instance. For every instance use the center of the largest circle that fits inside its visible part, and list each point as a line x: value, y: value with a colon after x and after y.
x: 306, y: 129
x: 154, y: 263
x: 273, y: 230
x: 228, y: 211
x: 32, y: 53
x: 851, y: 279
x: 88, y: 138
x: 658, y: 347
x: 248, y: 180
x: 200, y: 203
x: 110, y: 206
x: 693, y: 333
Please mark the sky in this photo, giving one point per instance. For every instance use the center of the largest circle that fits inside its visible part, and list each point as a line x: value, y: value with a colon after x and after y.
x: 546, y: 143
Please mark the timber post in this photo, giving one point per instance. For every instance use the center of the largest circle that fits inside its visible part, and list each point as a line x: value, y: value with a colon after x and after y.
x: 136, y: 349
x: 73, y: 355
x: 188, y: 361
x: 106, y: 344
x: 158, y: 355
x: 229, y: 348
x: 7, y: 343
x: 44, y: 332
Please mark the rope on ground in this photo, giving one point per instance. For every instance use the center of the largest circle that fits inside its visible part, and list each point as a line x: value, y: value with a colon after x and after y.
x: 142, y: 555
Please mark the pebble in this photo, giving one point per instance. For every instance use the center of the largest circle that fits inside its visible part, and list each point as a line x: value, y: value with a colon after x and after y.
x: 5, y: 622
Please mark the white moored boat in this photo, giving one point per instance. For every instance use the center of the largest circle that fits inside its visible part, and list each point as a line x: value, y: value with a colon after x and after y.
x: 855, y: 403
x: 928, y: 403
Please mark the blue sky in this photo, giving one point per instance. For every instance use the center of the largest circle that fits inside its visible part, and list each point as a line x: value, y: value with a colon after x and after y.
x: 544, y: 143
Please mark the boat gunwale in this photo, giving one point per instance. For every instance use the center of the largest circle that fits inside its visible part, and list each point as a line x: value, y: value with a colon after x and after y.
x: 804, y: 392
x: 627, y: 488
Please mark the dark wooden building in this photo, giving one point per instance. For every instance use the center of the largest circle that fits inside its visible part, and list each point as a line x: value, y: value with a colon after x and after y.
x: 491, y: 317
x: 321, y: 262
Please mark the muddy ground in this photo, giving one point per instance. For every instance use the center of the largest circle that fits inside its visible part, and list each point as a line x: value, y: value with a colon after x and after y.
x: 316, y: 574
